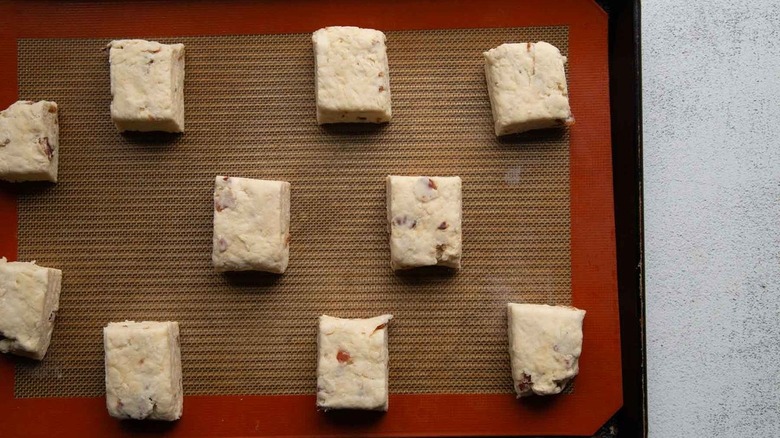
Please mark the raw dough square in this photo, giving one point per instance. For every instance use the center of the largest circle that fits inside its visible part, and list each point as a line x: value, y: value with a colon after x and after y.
x: 545, y: 343
x: 251, y: 225
x: 527, y: 87
x: 29, y: 142
x: 147, y: 85
x: 143, y: 370
x: 424, y: 221
x: 352, y: 75
x: 352, y: 363
x: 29, y: 300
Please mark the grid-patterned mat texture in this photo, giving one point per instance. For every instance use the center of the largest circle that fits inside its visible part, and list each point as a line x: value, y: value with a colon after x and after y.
x: 130, y: 221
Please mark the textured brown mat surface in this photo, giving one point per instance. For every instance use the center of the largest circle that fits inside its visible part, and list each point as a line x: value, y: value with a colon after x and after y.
x: 130, y: 220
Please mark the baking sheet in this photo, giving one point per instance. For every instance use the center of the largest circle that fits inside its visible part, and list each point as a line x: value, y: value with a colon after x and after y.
x: 593, y: 71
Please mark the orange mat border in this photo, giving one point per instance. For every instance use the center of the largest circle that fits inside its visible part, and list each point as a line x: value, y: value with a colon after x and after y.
x: 598, y: 392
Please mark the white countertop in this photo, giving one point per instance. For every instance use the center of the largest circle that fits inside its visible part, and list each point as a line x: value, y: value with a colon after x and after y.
x: 711, y: 84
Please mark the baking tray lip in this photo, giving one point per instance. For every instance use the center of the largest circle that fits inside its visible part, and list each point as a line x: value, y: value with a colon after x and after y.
x: 625, y: 78
x: 617, y: 11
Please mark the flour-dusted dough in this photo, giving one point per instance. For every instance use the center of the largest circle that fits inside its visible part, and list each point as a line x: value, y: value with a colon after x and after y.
x: 424, y: 221
x: 527, y: 87
x: 352, y: 364
x: 29, y: 300
x: 147, y: 85
x: 545, y: 343
x: 143, y: 370
x: 352, y: 76
x: 29, y: 142
x: 251, y: 225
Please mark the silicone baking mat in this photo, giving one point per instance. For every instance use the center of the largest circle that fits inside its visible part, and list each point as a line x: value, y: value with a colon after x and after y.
x: 130, y: 220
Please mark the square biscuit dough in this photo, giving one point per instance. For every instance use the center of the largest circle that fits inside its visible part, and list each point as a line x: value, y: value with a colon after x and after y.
x: 352, y: 75
x: 147, y: 86
x: 424, y: 217
x: 251, y: 225
x: 29, y: 301
x: 352, y: 363
x: 29, y: 142
x: 527, y: 87
x: 545, y: 343
x: 143, y: 370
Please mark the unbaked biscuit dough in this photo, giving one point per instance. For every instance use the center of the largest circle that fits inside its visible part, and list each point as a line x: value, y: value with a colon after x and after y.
x: 29, y: 300
x: 545, y: 343
x: 424, y: 221
x: 527, y: 87
x: 251, y: 225
x: 351, y: 75
x: 29, y: 142
x: 352, y: 364
x: 147, y: 85
x: 143, y: 370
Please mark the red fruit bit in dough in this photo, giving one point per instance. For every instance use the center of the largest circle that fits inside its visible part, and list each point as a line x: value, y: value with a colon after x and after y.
x: 524, y: 385
x: 343, y: 357
x: 405, y: 221
x: 379, y: 327
x: 45, y: 147
x: 224, y: 200
x: 222, y: 244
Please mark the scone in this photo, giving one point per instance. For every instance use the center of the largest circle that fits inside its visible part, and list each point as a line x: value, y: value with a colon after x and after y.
x: 147, y: 85
x: 527, y: 87
x: 29, y: 301
x: 251, y: 225
x: 352, y: 363
x: 545, y: 343
x: 351, y: 75
x: 424, y: 221
x: 29, y: 142
x: 143, y: 370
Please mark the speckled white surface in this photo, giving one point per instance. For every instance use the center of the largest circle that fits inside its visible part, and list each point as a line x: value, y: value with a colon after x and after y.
x: 712, y: 210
